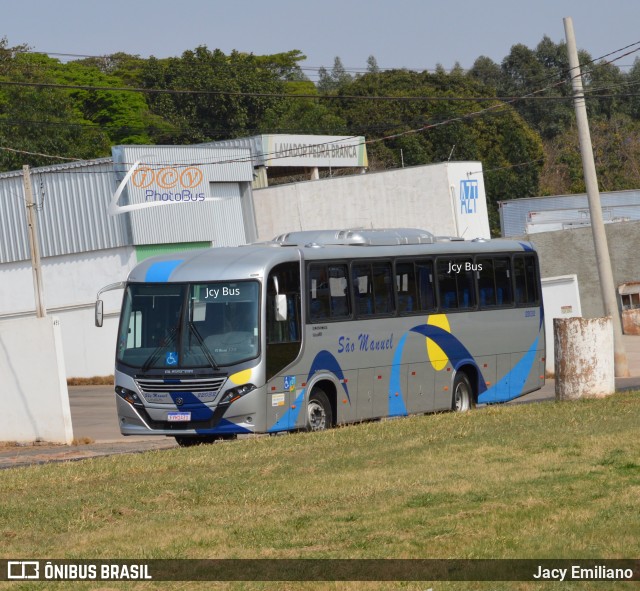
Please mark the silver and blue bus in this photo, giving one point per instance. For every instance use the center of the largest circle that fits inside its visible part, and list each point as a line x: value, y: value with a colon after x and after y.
x: 322, y: 328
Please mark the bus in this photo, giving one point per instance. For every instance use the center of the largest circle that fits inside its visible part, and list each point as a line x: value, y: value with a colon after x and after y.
x: 322, y: 328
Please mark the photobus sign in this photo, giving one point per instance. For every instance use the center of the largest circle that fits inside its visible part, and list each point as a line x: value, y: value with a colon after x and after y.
x: 322, y: 151
x: 151, y: 176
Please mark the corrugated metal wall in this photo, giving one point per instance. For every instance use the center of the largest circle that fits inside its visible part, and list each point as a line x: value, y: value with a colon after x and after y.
x: 514, y: 214
x: 72, y: 210
x: 253, y: 143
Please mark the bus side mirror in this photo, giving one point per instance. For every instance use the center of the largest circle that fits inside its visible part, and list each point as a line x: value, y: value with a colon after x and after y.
x: 99, y: 313
x: 281, y: 307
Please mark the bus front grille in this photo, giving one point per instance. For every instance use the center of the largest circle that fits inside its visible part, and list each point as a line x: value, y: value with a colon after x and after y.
x: 203, y: 385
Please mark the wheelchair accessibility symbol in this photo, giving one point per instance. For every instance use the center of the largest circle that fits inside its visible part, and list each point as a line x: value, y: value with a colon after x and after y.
x: 172, y: 358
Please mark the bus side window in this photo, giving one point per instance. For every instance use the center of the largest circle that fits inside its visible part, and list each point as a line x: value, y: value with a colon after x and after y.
x: 425, y: 285
x: 447, y: 288
x: 532, y: 279
x: 526, y: 280
x: 383, y: 288
x: 456, y: 284
x: 486, y: 283
x: 363, y: 289
x: 466, y: 284
x: 318, y: 292
x: 338, y: 292
x: 502, y: 270
x: 406, y: 287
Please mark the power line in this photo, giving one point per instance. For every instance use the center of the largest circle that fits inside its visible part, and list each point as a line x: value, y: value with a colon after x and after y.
x: 36, y: 154
x: 305, y: 96
x: 495, y: 107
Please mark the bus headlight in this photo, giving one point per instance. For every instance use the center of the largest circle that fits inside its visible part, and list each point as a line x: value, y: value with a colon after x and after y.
x: 235, y: 393
x: 131, y: 397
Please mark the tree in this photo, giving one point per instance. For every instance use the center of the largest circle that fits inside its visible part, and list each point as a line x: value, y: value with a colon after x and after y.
x: 302, y: 115
x: 616, y: 150
x: 487, y: 72
x: 425, y: 131
x: 372, y: 65
x: 631, y: 104
x: 228, y: 95
x: 540, y: 75
x: 329, y: 83
x: 39, y: 119
x: 123, y: 115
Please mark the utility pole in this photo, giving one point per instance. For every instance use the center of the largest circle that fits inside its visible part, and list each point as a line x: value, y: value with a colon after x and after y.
x: 34, y: 245
x: 603, y: 260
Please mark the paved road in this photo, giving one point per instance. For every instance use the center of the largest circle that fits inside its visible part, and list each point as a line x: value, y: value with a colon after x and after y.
x: 95, y: 424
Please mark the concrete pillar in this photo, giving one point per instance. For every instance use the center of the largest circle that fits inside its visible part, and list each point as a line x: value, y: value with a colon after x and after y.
x: 584, y: 360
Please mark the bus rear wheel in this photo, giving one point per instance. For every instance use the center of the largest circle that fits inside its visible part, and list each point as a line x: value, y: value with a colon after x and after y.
x: 462, y: 393
x: 319, y: 415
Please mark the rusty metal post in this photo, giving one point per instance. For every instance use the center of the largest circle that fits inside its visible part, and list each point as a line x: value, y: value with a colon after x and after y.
x: 584, y: 361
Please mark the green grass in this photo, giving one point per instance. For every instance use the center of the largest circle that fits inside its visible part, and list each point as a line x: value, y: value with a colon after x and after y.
x: 555, y: 480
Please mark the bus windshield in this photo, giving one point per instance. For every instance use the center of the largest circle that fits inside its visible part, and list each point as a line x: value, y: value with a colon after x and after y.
x: 175, y: 325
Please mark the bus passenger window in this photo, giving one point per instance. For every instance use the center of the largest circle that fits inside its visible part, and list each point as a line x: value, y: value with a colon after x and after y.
x: 406, y: 287
x: 328, y: 293
x: 318, y: 293
x: 447, y: 289
x: 466, y: 285
x: 338, y: 292
x: 456, y: 284
x: 526, y: 280
x: 425, y: 285
x: 383, y: 288
x: 486, y: 283
x: 363, y: 289
x: 502, y: 270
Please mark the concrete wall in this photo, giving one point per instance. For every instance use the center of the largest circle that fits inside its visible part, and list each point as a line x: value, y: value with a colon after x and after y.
x: 426, y: 197
x: 33, y: 388
x: 571, y: 251
x: 71, y: 283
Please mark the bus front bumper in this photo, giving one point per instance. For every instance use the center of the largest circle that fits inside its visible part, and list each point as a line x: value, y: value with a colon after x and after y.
x: 138, y: 421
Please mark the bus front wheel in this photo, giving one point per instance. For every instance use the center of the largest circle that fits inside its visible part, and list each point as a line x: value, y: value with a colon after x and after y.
x: 462, y: 393
x: 319, y: 415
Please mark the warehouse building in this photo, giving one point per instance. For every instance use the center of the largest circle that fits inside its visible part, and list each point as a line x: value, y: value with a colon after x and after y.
x: 564, y: 212
x: 84, y: 247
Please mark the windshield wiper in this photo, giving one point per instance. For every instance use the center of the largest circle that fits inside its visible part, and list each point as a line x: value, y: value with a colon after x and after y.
x: 205, y: 349
x: 156, y: 352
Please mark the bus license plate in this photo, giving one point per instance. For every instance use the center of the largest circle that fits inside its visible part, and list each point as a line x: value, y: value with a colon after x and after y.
x: 178, y: 416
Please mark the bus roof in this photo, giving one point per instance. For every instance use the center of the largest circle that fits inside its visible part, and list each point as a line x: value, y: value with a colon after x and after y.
x: 255, y: 260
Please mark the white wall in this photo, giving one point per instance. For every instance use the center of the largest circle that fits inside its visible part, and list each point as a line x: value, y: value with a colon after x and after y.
x: 33, y: 387
x: 561, y: 298
x: 468, y: 196
x: 71, y: 283
x: 415, y: 197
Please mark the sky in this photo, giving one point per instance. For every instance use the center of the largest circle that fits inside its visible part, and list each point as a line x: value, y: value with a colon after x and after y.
x: 416, y: 34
